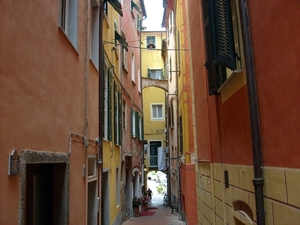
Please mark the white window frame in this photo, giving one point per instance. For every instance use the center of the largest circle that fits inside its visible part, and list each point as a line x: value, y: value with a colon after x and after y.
x: 133, y: 67
x: 158, y: 74
x: 133, y: 123
x: 154, y: 107
x: 139, y: 80
x: 68, y: 19
x: 94, y: 30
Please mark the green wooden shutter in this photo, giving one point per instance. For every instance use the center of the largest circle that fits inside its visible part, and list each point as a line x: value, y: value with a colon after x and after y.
x: 109, y: 113
x: 116, y: 5
x: 142, y: 138
x: 216, y: 73
x: 162, y: 73
x: 148, y: 72
x: 116, y: 113
x: 218, y: 12
x: 120, y: 118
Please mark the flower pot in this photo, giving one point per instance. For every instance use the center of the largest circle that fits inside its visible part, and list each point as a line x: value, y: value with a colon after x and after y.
x: 136, y: 211
x: 144, y: 207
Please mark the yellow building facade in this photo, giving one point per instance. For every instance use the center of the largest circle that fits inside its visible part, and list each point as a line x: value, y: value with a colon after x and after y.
x: 153, y: 97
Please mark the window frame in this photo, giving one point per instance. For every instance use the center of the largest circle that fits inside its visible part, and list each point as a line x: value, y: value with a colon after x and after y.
x: 68, y: 20
x: 150, y: 70
x: 157, y: 105
x: 216, y: 13
x: 151, y: 45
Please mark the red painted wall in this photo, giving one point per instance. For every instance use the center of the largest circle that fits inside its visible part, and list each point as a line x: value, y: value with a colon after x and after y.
x: 276, y: 48
x: 188, y: 190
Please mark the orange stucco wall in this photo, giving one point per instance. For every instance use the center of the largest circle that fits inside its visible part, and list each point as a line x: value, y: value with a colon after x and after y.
x: 42, y: 89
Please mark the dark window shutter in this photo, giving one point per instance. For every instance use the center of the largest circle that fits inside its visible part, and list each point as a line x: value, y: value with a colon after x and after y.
x: 109, y: 119
x: 162, y: 73
x: 225, y: 53
x: 116, y: 5
x: 148, y: 72
x: 115, y: 113
x: 216, y: 73
x: 142, y: 138
x: 120, y: 117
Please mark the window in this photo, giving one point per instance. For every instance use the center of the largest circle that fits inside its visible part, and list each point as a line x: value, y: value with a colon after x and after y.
x: 133, y: 122
x: 139, y: 80
x: 132, y: 67
x: 105, y: 6
x: 117, y: 115
x: 68, y: 13
x: 124, y: 109
x: 105, y: 103
x: 157, y: 111
x: 180, y: 134
x: 171, y: 116
x: 124, y: 52
x: 141, y: 136
x: 136, y: 124
x: 133, y: 5
x: 150, y: 41
x: 108, y: 105
x: 178, y: 51
x: 156, y: 74
x: 223, y: 48
x: 116, y: 5
x: 94, y: 23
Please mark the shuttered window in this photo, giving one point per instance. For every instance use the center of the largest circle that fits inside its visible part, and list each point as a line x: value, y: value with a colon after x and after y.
x: 220, y: 53
x: 109, y: 98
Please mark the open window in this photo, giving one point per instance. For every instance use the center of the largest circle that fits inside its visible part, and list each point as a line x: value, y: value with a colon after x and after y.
x: 223, y: 41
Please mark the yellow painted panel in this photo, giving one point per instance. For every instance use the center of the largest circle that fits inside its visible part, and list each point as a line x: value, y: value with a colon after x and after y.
x: 293, y: 186
x: 284, y: 214
x: 275, y: 184
x: 246, y: 176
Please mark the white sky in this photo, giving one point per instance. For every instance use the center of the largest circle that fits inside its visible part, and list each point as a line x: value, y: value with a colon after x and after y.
x: 155, y: 10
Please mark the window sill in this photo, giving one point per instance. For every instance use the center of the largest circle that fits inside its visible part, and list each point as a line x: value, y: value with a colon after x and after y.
x: 230, y: 80
x: 106, y: 20
x: 233, y: 83
x: 124, y: 69
x: 64, y: 33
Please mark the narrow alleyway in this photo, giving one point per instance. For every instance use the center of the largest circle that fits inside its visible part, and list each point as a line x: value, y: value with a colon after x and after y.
x: 157, y: 213
x: 162, y: 215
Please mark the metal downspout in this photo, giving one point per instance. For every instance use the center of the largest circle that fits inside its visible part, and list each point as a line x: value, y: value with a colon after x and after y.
x: 258, y: 180
x: 101, y: 108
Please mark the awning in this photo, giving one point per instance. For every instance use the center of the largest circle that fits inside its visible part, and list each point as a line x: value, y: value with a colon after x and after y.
x: 121, y: 40
x: 117, y: 6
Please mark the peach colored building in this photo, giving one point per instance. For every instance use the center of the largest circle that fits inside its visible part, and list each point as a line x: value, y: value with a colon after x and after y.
x: 61, y: 93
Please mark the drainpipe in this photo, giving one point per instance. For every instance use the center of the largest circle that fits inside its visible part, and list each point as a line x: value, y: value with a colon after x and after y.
x: 258, y: 180
x: 101, y: 108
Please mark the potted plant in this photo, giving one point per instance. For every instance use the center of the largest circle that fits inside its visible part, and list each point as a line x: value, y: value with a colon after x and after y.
x: 136, y: 202
x: 144, y: 201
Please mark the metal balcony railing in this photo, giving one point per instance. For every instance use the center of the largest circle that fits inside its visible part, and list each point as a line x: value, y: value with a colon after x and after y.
x: 153, y: 161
